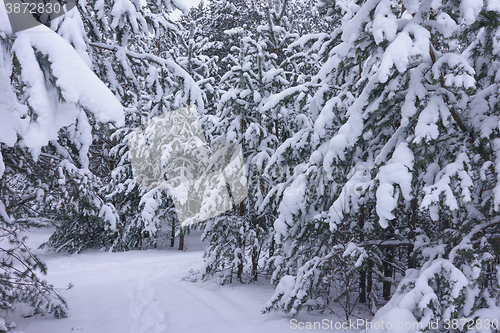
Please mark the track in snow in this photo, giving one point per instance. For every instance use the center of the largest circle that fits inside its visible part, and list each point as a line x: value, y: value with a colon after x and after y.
x: 143, y: 292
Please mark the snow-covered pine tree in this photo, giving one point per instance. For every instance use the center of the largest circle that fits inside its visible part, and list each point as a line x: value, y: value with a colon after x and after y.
x: 407, y: 121
x: 191, y: 54
x: 187, y: 47
x: 44, y: 142
x: 458, y: 278
x: 139, y: 67
x: 306, y: 251
x: 105, y: 21
x: 230, y: 237
x: 129, y: 47
x: 222, y: 15
x: 242, y: 240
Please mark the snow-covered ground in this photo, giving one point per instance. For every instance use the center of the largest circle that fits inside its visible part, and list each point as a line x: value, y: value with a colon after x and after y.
x: 143, y: 292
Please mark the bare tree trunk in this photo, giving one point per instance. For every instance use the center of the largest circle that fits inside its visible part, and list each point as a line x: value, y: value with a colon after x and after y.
x: 255, y: 262
x: 362, y: 274
x: 240, y: 268
x: 181, y: 242
x: 172, y: 235
x: 362, y: 286
x: 369, y: 275
x: 140, y: 239
x: 412, y: 261
x: 389, y: 258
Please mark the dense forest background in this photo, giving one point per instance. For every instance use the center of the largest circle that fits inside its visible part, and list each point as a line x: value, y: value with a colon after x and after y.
x: 369, y: 131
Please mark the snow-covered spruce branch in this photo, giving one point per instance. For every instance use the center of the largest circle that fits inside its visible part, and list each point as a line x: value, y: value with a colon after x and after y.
x: 387, y: 243
x: 131, y: 54
x: 467, y: 239
x: 190, y: 83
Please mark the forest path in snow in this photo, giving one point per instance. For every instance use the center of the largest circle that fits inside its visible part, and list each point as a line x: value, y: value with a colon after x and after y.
x: 143, y: 292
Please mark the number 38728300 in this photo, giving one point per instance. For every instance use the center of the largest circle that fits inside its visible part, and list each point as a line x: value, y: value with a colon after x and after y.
x: 470, y: 323
x: 33, y: 8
